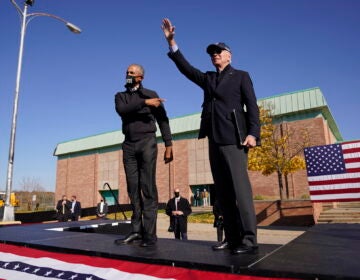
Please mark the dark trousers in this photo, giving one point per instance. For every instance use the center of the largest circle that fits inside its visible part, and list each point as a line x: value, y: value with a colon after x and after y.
x: 233, y: 189
x: 178, y: 232
x: 139, y: 160
x: 74, y: 217
x: 219, y: 233
x: 63, y: 217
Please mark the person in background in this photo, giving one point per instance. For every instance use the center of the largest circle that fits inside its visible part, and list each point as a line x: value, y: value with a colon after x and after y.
x: 140, y: 109
x: 205, y: 198
x: 75, y: 209
x: 63, y: 208
x: 178, y: 208
x: 196, y: 198
x: 102, y: 209
x: 231, y: 131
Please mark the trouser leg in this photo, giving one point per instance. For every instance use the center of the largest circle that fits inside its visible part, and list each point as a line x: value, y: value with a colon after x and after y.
x: 177, y: 229
x: 132, y: 180
x: 184, y: 236
x: 147, y: 168
x: 243, y: 193
x: 219, y: 231
x: 229, y: 169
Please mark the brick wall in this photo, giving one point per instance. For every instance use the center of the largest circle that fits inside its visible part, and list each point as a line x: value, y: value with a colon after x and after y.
x: 284, y: 213
x: 84, y: 175
x: 77, y: 176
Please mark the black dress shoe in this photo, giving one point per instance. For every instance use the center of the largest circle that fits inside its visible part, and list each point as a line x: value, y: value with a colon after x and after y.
x: 222, y: 246
x: 244, y: 250
x: 128, y: 239
x: 147, y: 243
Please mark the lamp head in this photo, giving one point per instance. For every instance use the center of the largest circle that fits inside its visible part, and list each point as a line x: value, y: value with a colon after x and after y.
x: 29, y: 2
x: 73, y: 28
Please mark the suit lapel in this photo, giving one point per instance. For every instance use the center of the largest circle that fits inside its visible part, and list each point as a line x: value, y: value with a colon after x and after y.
x: 225, y: 77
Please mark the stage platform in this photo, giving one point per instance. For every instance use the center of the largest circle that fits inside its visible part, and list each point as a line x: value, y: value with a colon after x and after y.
x: 323, y: 252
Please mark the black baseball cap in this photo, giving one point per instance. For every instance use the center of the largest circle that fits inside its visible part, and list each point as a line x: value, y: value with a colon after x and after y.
x: 216, y: 46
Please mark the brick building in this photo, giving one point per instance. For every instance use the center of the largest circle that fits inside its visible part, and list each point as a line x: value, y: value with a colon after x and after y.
x: 85, y: 165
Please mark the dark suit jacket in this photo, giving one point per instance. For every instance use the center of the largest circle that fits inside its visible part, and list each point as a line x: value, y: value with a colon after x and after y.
x: 233, y: 90
x: 105, y: 209
x: 77, y: 209
x: 183, y: 205
x: 67, y: 210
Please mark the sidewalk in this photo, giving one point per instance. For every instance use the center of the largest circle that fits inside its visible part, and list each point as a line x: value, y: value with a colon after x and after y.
x: 197, y: 231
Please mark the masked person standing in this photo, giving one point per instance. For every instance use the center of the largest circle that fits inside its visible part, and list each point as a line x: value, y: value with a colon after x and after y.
x: 231, y: 131
x: 139, y: 109
x: 178, y: 208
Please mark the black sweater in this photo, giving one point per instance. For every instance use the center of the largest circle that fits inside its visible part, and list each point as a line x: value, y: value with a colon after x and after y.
x: 138, y: 119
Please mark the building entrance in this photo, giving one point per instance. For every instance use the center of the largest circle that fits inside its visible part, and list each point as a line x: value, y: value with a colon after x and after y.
x: 201, y: 195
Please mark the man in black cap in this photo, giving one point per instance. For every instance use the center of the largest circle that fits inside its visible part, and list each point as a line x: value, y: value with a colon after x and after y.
x: 231, y: 132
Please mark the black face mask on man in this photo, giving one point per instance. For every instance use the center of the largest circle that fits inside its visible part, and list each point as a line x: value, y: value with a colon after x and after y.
x: 177, y: 194
x: 130, y: 81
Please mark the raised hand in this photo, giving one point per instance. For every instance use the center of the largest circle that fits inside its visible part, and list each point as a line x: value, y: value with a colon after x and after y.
x: 169, y: 30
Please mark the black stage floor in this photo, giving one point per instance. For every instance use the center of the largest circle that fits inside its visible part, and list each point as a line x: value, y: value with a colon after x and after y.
x: 329, y: 251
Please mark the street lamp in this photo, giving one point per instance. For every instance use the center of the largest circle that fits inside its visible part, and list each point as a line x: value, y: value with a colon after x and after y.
x: 25, y: 18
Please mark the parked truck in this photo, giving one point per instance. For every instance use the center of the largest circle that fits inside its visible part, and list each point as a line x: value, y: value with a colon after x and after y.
x: 13, y: 200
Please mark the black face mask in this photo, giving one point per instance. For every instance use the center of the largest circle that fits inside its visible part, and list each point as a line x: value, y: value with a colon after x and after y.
x: 177, y: 194
x: 130, y: 81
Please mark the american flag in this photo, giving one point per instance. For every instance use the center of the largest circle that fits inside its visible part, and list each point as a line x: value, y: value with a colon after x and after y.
x: 334, y: 172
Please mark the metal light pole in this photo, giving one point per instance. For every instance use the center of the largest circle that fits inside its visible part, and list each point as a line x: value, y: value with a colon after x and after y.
x: 25, y: 18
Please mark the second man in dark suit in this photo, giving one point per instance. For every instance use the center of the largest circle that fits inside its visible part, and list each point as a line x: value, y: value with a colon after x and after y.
x: 75, y: 209
x: 231, y: 132
x: 178, y: 209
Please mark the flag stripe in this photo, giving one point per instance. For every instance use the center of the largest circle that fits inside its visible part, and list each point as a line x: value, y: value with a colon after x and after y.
x: 335, y: 181
x: 335, y: 191
x: 334, y: 187
x: 353, y: 167
x: 351, y: 158
x: 353, y: 170
x: 336, y: 200
x: 351, y: 144
x: 326, y: 197
x: 352, y: 151
x: 333, y: 177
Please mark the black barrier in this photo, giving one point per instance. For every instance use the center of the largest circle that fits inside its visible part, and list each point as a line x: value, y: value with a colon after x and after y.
x: 36, y: 217
x: 45, y: 216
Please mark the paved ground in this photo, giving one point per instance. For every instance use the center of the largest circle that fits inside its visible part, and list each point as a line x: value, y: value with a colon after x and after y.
x: 196, y: 231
